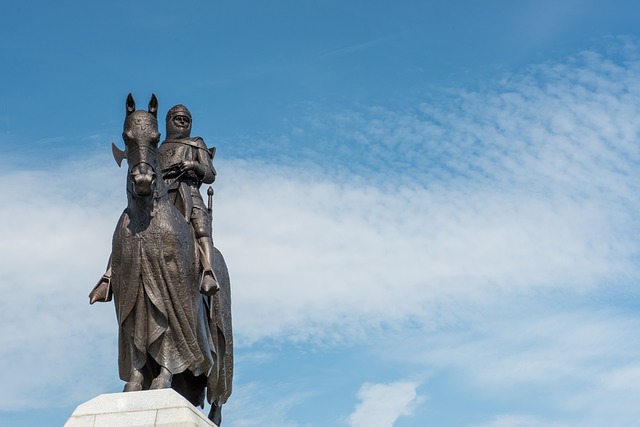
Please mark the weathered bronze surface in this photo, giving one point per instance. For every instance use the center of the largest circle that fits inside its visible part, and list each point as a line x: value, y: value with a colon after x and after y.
x: 169, y: 283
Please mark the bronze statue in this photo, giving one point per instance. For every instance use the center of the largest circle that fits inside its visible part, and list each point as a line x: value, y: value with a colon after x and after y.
x: 169, y: 283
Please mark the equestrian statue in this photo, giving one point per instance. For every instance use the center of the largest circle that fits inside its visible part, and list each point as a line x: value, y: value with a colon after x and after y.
x: 170, y: 285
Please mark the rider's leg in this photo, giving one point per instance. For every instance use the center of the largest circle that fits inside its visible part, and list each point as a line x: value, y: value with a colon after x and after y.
x: 209, y: 285
x: 202, y: 228
x: 136, y: 378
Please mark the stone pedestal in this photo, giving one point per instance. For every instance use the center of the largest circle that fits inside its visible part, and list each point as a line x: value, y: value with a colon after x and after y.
x: 153, y: 408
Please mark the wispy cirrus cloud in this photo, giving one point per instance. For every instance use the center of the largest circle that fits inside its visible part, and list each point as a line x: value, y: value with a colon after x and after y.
x: 527, y: 185
x: 358, y: 46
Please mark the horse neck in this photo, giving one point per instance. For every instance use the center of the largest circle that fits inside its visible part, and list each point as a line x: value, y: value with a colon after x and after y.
x: 140, y: 204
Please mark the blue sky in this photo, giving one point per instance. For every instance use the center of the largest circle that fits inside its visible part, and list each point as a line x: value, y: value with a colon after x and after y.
x: 428, y: 209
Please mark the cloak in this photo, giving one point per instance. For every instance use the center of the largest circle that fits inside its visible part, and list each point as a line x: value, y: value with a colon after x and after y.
x: 159, y: 307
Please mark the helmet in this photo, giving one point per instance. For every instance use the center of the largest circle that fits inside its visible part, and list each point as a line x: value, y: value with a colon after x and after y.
x: 178, y: 110
x: 178, y: 128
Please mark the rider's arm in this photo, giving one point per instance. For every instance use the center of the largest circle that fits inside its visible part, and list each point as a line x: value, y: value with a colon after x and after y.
x: 206, y: 172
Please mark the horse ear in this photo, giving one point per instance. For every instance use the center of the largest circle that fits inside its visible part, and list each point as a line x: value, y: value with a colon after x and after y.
x: 153, y: 105
x: 131, y: 104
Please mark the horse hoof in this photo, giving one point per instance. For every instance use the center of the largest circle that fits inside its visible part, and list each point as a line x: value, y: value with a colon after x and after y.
x: 132, y: 386
x: 159, y: 383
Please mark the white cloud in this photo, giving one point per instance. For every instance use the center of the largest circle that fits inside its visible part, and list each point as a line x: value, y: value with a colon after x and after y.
x: 55, y: 229
x: 306, y: 252
x: 511, y: 420
x: 382, y: 404
x: 528, y: 187
x: 623, y: 378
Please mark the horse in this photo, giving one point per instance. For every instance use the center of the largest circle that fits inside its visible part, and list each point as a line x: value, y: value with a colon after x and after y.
x: 170, y: 334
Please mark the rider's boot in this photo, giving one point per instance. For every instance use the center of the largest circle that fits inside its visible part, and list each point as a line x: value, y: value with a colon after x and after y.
x: 209, y: 283
x: 102, y: 290
x: 163, y: 380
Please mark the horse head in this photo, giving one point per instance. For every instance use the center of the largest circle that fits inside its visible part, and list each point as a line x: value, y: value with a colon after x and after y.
x: 141, y: 137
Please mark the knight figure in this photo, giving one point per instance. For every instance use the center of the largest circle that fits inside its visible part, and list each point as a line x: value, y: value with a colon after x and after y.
x: 186, y: 164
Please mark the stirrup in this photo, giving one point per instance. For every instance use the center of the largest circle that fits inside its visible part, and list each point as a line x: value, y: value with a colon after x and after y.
x: 102, y: 291
x: 209, y: 289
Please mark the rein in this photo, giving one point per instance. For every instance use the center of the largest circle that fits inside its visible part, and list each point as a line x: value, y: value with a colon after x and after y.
x: 165, y: 190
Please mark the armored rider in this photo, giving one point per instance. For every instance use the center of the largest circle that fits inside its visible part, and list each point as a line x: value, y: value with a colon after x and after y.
x: 186, y: 164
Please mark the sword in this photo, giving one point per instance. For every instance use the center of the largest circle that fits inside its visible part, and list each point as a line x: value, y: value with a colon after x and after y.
x: 210, y: 210
x: 210, y: 203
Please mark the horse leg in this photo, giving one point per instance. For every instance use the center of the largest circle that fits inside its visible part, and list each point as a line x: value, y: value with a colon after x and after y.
x: 163, y: 380
x: 135, y: 381
x: 137, y: 377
